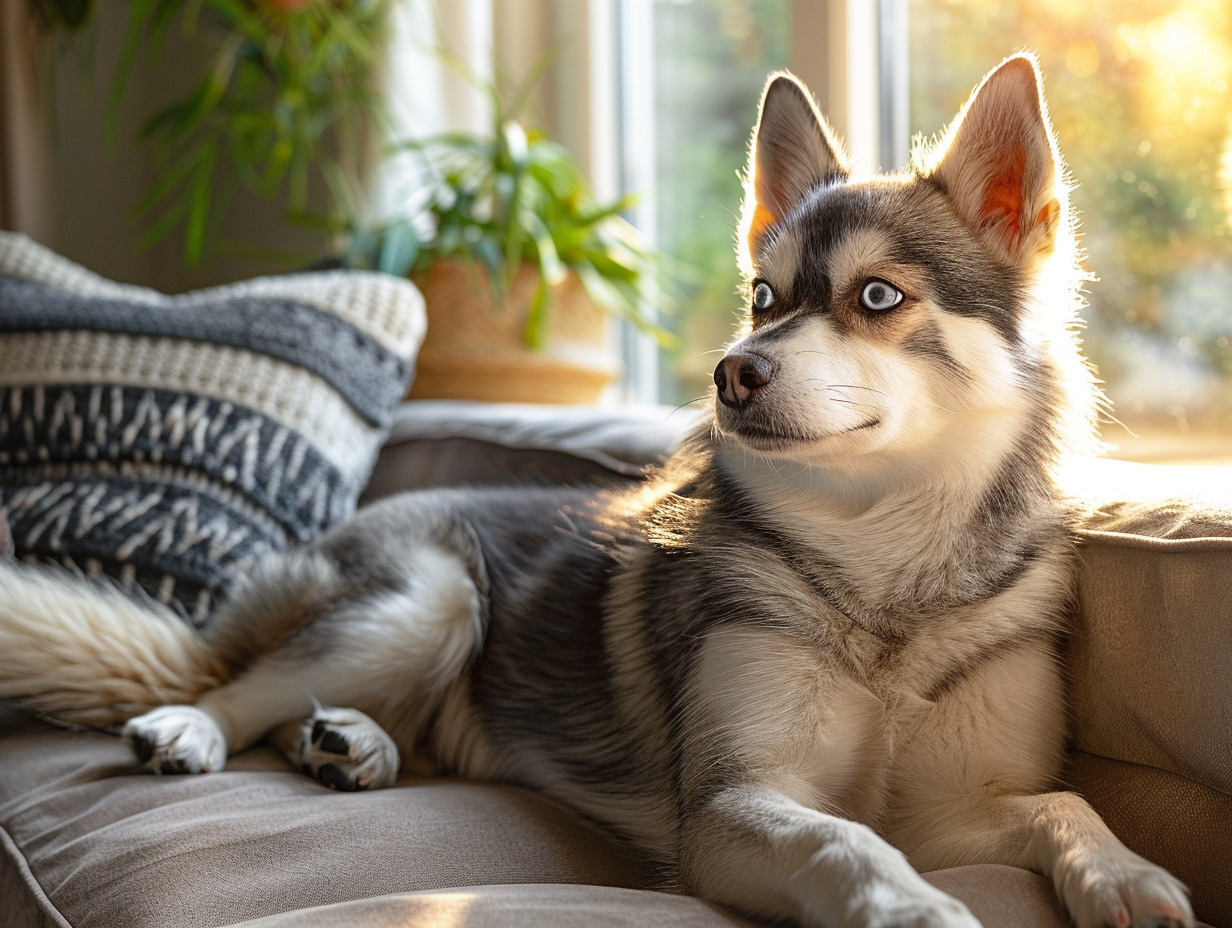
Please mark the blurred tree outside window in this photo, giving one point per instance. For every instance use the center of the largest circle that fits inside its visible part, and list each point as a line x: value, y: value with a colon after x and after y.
x: 710, y: 60
x: 1138, y: 92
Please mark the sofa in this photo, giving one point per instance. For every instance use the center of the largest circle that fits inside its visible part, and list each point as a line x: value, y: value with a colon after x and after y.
x: 90, y: 841
x: 169, y: 442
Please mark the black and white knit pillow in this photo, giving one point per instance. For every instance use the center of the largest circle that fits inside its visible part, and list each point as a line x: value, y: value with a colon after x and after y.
x: 169, y: 442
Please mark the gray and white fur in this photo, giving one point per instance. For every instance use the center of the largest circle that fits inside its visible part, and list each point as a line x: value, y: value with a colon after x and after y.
x: 815, y: 654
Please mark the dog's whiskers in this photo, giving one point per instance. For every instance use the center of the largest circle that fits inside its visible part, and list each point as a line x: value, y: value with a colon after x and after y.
x: 696, y: 399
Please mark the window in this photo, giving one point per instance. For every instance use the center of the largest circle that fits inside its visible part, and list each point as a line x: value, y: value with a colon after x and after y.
x: 1139, y: 94
x: 694, y: 70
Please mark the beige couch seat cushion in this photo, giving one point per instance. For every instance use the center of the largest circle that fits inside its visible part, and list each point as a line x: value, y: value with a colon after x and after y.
x: 89, y: 842
x: 524, y: 906
x: 110, y: 846
x: 1000, y: 897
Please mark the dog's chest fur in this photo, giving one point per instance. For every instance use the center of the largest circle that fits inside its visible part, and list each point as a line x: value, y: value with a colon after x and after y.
x: 703, y: 631
x: 727, y: 647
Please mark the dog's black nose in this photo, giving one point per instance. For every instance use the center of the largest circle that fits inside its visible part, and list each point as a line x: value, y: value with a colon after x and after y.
x: 740, y: 375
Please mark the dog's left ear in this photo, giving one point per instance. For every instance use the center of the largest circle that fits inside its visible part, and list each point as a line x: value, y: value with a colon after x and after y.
x: 791, y: 152
x: 999, y: 164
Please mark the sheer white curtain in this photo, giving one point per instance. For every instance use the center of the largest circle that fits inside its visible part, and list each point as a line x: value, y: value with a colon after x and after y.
x: 441, y: 49
x: 439, y: 53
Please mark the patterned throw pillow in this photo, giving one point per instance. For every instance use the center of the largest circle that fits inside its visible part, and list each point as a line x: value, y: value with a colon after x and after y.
x: 170, y: 441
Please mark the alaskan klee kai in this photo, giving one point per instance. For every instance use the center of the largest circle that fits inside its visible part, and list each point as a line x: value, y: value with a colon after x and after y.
x: 817, y: 651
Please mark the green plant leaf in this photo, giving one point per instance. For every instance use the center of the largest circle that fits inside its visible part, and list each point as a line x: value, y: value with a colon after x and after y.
x: 182, y: 118
x: 277, y: 107
x: 551, y: 268
x: 601, y: 214
x: 399, y: 249
x: 613, y: 269
x: 513, y: 140
x: 161, y: 227
x: 169, y: 179
x: 245, y: 19
x: 603, y: 291
x: 199, y: 209
x: 139, y: 13
x: 489, y: 253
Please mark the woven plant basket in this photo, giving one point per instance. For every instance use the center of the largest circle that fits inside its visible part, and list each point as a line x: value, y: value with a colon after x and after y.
x: 476, y: 350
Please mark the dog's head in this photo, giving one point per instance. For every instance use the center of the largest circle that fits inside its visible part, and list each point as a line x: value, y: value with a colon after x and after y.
x: 904, y: 316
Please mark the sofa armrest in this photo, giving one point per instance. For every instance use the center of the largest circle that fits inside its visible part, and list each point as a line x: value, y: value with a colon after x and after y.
x: 1151, y: 694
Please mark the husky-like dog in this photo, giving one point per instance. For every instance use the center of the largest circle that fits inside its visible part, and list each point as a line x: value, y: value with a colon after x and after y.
x: 819, y: 649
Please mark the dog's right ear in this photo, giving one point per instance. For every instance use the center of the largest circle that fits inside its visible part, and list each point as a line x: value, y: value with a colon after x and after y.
x: 792, y: 150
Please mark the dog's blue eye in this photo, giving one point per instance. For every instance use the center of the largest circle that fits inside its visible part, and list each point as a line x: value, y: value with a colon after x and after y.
x: 878, y: 296
x: 763, y: 296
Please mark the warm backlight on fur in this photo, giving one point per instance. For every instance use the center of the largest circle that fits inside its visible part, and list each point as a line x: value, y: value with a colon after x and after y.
x: 1003, y: 196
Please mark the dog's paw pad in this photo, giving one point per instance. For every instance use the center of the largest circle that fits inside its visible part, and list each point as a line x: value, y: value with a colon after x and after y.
x: 142, y: 745
x: 177, y: 740
x: 334, y: 743
x: 335, y: 777
x: 346, y: 750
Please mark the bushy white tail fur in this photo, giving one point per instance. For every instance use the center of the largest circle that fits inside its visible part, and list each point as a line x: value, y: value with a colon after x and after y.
x: 81, y: 654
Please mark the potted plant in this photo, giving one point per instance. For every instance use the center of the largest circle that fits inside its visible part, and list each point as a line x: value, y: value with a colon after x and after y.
x: 520, y: 268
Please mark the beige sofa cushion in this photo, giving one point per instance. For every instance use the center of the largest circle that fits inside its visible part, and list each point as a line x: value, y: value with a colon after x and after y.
x: 109, y: 846
x: 524, y: 906
x: 86, y: 841
x: 1000, y: 897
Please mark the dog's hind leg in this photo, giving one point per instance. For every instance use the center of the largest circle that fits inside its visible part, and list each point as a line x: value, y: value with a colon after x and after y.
x: 386, y: 644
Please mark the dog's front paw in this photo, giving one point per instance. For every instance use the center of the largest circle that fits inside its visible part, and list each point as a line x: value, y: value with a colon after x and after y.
x: 917, y: 909
x: 177, y: 739
x: 1125, y: 891
x: 879, y: 891
x: 347, y: 750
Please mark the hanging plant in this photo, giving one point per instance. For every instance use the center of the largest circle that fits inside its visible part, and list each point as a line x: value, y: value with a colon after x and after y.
x: 287, y: 93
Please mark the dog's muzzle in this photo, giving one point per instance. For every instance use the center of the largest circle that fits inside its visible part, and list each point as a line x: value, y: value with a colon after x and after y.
x: 740, y: 375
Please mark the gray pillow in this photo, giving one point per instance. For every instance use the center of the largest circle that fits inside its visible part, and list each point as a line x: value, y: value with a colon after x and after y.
x: 168, y: 442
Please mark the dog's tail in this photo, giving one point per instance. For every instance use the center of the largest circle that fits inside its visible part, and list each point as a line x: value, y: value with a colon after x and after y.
x: 83, y: 654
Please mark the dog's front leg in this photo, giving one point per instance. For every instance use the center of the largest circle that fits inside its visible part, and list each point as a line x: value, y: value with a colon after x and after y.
x: 757, y: 850
x: 1100, y: 880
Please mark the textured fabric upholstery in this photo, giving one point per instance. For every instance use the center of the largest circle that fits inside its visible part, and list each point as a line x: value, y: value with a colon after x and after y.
x: 1148, y: 660
x: 1000, y: 897
x: 109, y: 845
x: 541, y: 906
x: 169, y: 442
